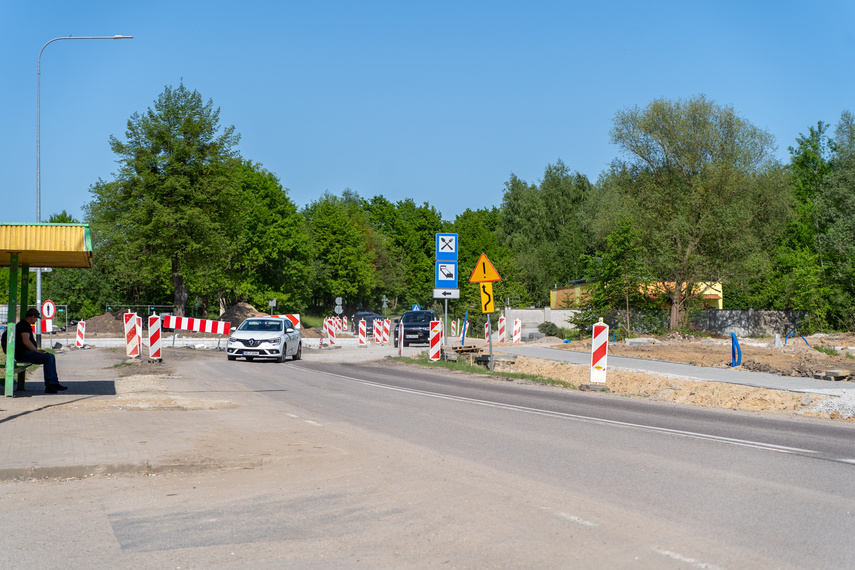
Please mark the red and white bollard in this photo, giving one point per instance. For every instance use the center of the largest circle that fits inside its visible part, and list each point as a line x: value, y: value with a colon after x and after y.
x: 344, y: 323
x: 599, y: 352
x: 387, y: 325
x: 486, y: 331
x: 517, y: 331
x: 453, y: 328
x: 378, y: 331
x: 435, y: 339
x: 81, y: 334
x: 502, y: 332
x: 132, y: 347
x: 154, y: 350
x: 362, y: 333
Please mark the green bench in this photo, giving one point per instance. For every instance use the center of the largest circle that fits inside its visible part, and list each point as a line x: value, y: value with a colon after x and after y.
x: 20, y: 372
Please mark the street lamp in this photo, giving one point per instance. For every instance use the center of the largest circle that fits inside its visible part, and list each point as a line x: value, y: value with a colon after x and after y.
x: 39, y: 143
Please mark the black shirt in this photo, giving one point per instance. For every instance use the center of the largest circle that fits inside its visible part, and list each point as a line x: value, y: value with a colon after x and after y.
x: 23, y: 328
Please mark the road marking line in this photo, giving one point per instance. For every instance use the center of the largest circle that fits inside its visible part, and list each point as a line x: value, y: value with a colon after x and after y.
x: 311, y: 422
x: 681, y: 558
x: 576, y: 519
x: 586, y: 419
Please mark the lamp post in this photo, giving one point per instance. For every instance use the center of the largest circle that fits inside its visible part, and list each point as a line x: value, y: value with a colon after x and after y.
x: 39, y: 143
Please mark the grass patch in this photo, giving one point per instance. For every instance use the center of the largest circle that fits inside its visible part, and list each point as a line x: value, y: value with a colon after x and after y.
x: 826, y: 350
x: 120, y: 364
x: 464, y: 366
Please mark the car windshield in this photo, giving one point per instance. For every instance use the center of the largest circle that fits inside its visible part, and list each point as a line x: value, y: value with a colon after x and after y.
x: 418, y: 317
x: 266, y: 325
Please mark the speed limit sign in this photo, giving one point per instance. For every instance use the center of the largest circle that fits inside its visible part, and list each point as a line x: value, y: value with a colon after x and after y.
x: 48, y: 309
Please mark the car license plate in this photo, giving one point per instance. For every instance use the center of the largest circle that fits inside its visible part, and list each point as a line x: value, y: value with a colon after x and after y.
x: 412, y: 336
x: 250, y: 353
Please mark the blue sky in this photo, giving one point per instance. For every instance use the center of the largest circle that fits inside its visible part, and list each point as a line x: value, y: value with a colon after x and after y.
x: 438, y: 102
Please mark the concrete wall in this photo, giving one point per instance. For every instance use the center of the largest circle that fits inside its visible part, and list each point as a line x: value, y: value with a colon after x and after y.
x: 532, y: 318
x: 745, y: 323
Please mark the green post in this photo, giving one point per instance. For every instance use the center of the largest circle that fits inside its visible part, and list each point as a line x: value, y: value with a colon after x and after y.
x: 10, y: 326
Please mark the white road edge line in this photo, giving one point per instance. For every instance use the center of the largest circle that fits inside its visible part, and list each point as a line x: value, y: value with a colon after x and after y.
x: 680, y: 433
x: 687, y: 560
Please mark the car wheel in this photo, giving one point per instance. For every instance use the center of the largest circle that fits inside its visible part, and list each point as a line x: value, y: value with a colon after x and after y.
x: 230, y: 357
x: 405, y: 344
x: 249, y: 358
x: 299, y: 354
x: 281, y: 356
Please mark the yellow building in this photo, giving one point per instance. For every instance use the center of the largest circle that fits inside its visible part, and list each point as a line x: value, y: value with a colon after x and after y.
x: 578, y: 294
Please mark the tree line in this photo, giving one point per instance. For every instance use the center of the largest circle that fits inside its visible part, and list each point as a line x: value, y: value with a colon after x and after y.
x: 696, y: 196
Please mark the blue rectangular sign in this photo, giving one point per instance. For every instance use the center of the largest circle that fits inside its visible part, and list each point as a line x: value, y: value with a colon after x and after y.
x: 446, y: 275
x: 446, y: 247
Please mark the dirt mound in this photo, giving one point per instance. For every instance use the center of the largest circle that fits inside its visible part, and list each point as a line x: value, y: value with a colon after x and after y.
x: 236, y: 314
x: 106, y: 324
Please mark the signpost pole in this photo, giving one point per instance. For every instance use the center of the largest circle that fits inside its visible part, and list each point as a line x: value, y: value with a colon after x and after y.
x: 490, y: 339
x: 445, y: 322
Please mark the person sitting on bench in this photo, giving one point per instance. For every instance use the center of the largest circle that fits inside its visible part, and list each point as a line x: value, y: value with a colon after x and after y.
x: 27, y: 351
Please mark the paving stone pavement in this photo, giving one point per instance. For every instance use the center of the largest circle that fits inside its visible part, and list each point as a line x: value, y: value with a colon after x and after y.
x: 86, y: 430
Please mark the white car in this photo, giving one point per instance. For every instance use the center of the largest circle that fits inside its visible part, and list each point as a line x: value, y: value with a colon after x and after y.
x: 265, y: 337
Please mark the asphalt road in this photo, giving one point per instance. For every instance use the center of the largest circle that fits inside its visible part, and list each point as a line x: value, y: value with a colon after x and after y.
x: 779, y: 488
x: 389, y: 467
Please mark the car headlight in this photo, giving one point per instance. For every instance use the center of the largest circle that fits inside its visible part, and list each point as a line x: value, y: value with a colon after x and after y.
x: 232, y: 339
x: 276, y: 340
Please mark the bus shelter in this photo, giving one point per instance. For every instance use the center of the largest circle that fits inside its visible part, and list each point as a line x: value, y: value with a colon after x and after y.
x: 36, y: 245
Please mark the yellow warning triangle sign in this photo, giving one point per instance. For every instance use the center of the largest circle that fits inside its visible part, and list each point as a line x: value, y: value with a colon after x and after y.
x: 484, y: 271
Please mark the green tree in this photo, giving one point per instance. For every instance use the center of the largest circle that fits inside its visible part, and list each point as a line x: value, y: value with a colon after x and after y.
x: 167, y: 215
x: 699, y: 180
x: 86, y: 292
x: 270, y: 253
x: 342, y: 258
x: 621, y: 274
x: 542, y: 224
x: 477, y: 233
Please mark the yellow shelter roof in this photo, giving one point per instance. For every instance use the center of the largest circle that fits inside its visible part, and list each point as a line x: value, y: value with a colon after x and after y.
x: 46, y: 245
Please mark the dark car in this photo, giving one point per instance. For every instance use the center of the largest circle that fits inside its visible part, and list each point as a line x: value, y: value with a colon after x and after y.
x: 369, y: 322
x: 416, y: 327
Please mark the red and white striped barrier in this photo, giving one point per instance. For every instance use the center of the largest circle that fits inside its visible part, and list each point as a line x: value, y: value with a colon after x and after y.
x: 331, y: 332
x: 502, y: 332
x: 81, y: 334
x: 294, y: 318
x: 453, y: 327
x: 599, y: 352
x: 401, y: 340
x: 517, y: 331
x: 45, y: 325
x: 378, y: 331
x: 343, y: 324
x: 132, y: 347
x: 196, y: 325
x: 362, y: 333
x: 435, y: 339
x: 486, y: 331
x: 139, y: 332
x: 154, y: 348
x: 387, y: 325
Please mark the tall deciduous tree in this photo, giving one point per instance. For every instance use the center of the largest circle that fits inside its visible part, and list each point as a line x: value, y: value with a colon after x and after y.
x: 167, y: 214
x: 542, y: 225
x: 699, y: 178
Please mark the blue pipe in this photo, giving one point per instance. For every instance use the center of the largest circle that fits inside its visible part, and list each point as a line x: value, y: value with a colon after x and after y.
x: 465, y: 326
x: 788, y: 336
x: 735, y: 351
x: 804, y: 339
